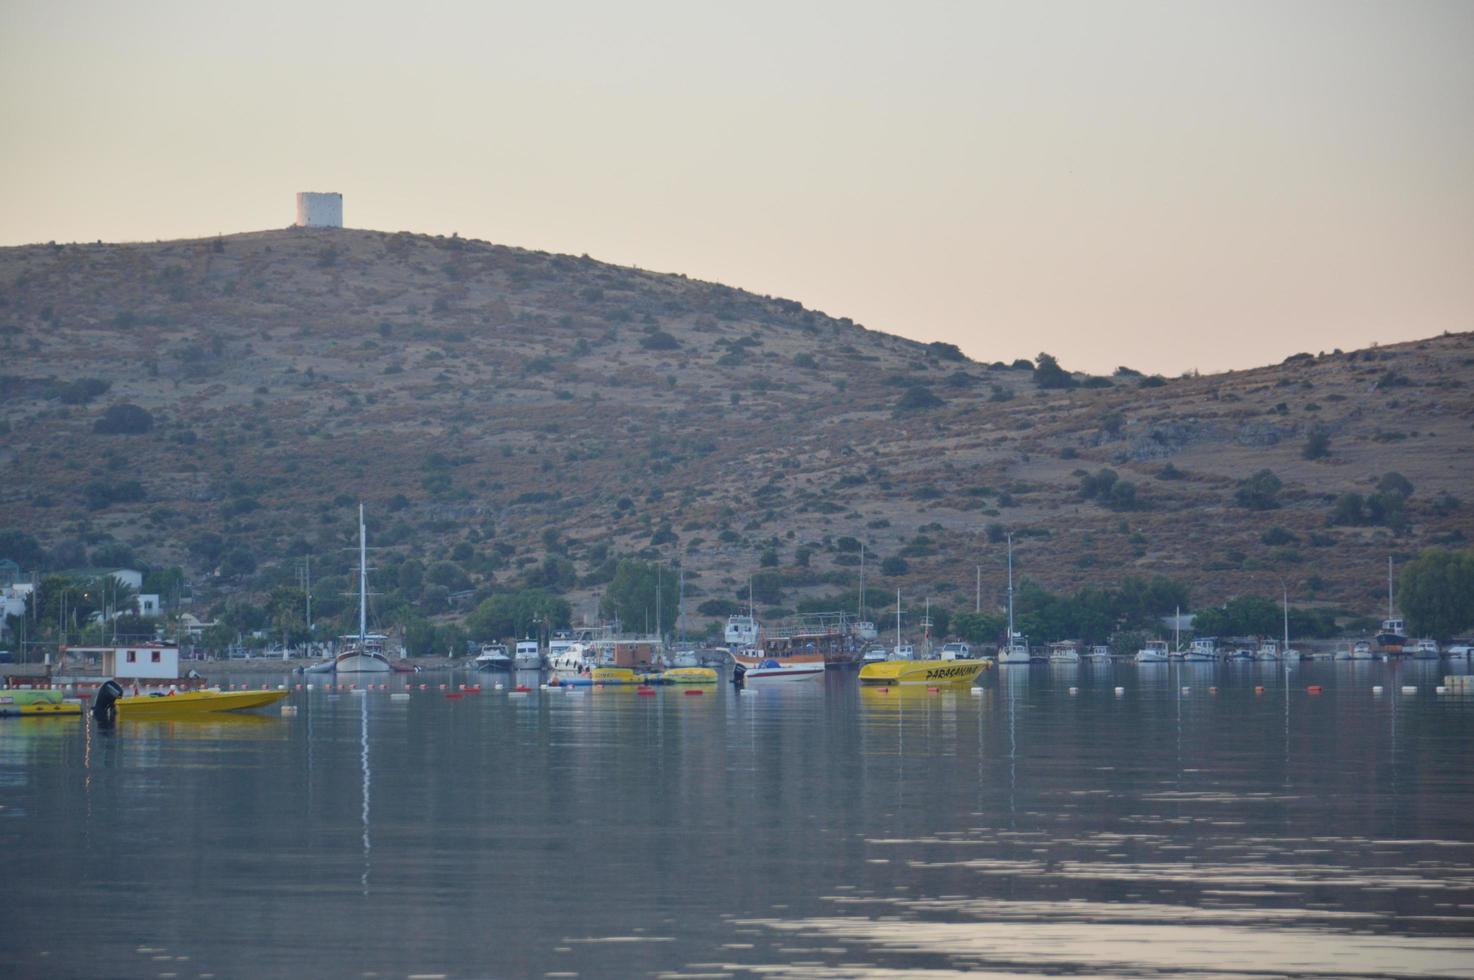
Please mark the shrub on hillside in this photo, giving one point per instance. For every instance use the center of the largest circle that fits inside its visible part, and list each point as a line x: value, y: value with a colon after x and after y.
x: 124, y: 418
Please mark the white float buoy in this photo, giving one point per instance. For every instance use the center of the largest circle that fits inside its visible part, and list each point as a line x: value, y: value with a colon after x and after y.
x: 1440, y: 689
x: 1120, y: 691
x: 497, y: 687
x: 1409, y: 689
x: 1377, y: 689
x: 1187, y: 690
x: 399, y: 696
x: 1074, y: 691
x: 977, y: 691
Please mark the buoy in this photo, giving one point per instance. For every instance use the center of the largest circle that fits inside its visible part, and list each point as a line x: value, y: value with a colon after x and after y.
x: 1073, y: 690
x: 1314, y: 689
x: 1258, y: 689
x: 1187, y: 690
x: 1120, y: 691
x: 1377, y: 689
x: 979, y: 691
x: 283, y: 687
x: 498, y: 687
x: 1409, y: 689
x: 521, y: 689
x: 696, y: 693
x: 442, y: 687
x: 1440, y: 689
x: 399, y: 696
x: 645, y: 690
x: 932, y: 690
x: 885, y: 690
x: 310, y: 687
x: 288, y: 709
x: 454, y: 697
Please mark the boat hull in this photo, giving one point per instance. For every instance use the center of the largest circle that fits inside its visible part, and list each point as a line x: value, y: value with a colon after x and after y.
x: 194, y: 703
x: 689, y: 675
x: 921, y: 673
x: 37, y: 704
x: 361, y: 663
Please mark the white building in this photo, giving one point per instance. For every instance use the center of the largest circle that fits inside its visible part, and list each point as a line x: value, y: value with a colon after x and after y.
x: 147, y: 604
x: 151, y: 662
x: 319, y: 210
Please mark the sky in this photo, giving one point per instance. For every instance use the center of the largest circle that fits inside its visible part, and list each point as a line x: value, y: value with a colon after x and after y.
x: 1165, y: 186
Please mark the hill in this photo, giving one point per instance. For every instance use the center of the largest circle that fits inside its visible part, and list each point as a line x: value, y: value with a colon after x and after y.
x: 524, y: 417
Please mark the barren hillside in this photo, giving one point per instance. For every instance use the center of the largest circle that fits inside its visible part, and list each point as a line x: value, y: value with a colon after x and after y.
x: 519, y: 405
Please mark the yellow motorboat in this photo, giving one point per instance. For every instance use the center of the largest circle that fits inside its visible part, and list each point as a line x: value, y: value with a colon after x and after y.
x: 194, y: 703
x: 688, y: 675
x: 926, y: 673
x: 617, y: 675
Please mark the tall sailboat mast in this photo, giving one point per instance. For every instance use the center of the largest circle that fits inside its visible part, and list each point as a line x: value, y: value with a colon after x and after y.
x: 362, y: 581
x: 1389, y: 586
x: 1010, y: 589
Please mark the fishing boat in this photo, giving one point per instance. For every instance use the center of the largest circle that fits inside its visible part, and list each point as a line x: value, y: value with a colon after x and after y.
x: 1099, y: 654
x: 1152, y: 652
x: 1360, y: 650
x: 1268, y: 651
x: 364, y: 656
x: 1201, y: 651
x: 1064, y: 653
x: 493, y: 656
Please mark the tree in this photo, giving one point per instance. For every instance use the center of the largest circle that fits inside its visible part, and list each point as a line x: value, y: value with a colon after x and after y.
x: 894, y: 565
x: 1317, y: 444
x: 1259, y: 492
x: 513, y: 614
x: 21, y: 548
x: 978, y: 627
x: 124, y: 418
x: 1048, y: 373
x: 640, y: 590
x: 1436, y: 592
x: 918, y: 398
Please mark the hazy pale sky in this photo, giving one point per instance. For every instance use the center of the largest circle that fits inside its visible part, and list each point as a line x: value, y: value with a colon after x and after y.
x: 1161, y: 185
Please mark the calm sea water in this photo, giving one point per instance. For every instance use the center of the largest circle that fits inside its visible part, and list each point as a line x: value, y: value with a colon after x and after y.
x: 809, y: 830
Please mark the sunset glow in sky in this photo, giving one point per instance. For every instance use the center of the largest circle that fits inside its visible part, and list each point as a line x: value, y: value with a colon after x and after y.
x: 1162, y: 185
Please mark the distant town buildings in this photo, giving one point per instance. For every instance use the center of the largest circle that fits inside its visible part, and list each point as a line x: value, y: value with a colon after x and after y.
x: 319, y: 210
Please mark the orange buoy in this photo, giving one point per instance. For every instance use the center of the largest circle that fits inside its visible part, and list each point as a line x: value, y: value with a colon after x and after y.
x: 1258, y: 689
x: 694, y: 693
x: 454, y: 697
x: 933, y: 690
x: 1314, y: 689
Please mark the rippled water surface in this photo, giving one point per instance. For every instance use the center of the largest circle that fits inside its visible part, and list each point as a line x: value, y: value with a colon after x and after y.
x: 807, y: 830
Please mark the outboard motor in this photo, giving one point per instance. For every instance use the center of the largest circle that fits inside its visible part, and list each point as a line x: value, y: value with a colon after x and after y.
x: 104, y: 706
x: 739, y: 672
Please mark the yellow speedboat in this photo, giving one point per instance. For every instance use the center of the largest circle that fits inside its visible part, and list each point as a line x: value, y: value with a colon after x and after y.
x: 194, y: 703
x: 927, y: 673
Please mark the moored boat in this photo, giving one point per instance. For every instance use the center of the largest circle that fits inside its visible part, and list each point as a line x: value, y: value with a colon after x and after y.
x: 493, y: 656
x: 208, y: 701
x: 931, y: 673
x: 1201, y: 650
x: 364, y: 656
x: 1066, y: 652
x: 527, y: 655
x: 1152, y: 652
x: 1425, y: 649
x: 43, y: 703
x: 754, y: 665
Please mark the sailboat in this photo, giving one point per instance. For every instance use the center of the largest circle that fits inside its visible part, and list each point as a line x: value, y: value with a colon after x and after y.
x: 1287, y: 653
x: 364, y: 656
x: 1016, y: 650
x: 1393, y: 635
x: 864, y: 629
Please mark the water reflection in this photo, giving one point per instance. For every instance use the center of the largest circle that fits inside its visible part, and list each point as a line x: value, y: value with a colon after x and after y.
x: 812, y: 829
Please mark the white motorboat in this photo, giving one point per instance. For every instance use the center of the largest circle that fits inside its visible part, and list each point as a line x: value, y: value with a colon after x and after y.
x: 956, y: 651
x: 1153, y: 652
x: 1425, y: 649
x: 493, y: 656
x: 874, y: 655
x: 1268, y: 651
x: 902, y: 651
x: 742, y: 631
x: 1099, y: 654
x: 527, y: 656
x: 754, y: 665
